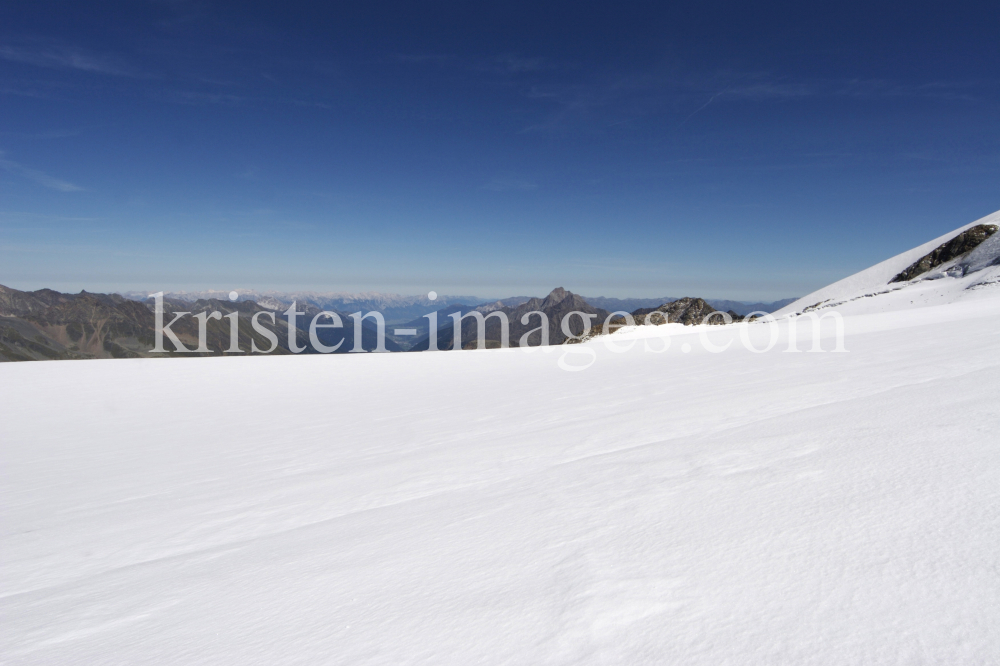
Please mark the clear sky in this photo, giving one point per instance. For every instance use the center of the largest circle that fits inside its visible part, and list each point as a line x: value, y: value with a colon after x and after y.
x: 743, y: 150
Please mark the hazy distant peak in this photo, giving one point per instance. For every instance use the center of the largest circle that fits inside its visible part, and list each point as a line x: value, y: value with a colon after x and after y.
x: 557, y: 294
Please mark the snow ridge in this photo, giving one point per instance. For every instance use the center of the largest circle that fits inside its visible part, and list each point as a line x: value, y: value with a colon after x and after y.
x: 952, y: 281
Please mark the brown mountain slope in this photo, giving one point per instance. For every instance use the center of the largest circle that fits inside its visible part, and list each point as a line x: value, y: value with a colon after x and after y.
x: 46, y: 324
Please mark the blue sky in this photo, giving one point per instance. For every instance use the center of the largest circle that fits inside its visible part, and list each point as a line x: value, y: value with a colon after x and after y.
x: 620, y: 149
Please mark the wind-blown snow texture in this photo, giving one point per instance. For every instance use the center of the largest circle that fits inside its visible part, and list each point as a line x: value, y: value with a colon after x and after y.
x: 489, y: 507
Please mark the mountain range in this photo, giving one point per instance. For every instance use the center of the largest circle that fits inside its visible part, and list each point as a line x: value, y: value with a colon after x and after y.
x: 47, y: 324
x: 395, y: 308
x: 401, y: 309
x: 742, y: 308
x: 556, y: 306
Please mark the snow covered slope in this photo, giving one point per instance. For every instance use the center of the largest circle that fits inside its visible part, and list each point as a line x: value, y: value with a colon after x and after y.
x: 682, y: 507
x: 871, y: 291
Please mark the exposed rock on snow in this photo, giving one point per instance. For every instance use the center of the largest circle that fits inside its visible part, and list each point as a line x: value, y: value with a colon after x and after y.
x: 688, y: 311
x: 958, y: 246
x: 971, y: 269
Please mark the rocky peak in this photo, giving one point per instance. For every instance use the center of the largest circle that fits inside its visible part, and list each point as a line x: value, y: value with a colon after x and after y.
x: 556, y: 296
x: 688, y: 311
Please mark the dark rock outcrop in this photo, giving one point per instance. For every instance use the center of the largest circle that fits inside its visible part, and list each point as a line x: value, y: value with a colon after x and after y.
x: 688, y: 311
x: 965, y: 242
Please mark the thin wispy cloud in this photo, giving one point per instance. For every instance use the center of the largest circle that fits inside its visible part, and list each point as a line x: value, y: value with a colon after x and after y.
x: 513, y: 64
x: 64, y: 57
x: 502, y: 64
x: 307, y: 104
x: 31, y: 92
x: 705, y: 105
x: 772, y: 90
x: 191, y: 97
x: 18, y: 214
x: 616, y: 100
x: 968, y: 91
x: 250, y: 173
x: 509, y: 185
x: 52, y: 134
x: 37, y: 176
x: 424, y: 58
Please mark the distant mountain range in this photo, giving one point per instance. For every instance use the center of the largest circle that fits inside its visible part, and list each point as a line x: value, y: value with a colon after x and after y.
x: 400, y: 309
x: 396, y: 308
x: 556, y: 305
x: 631, y: 304
x: 46, y: 324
